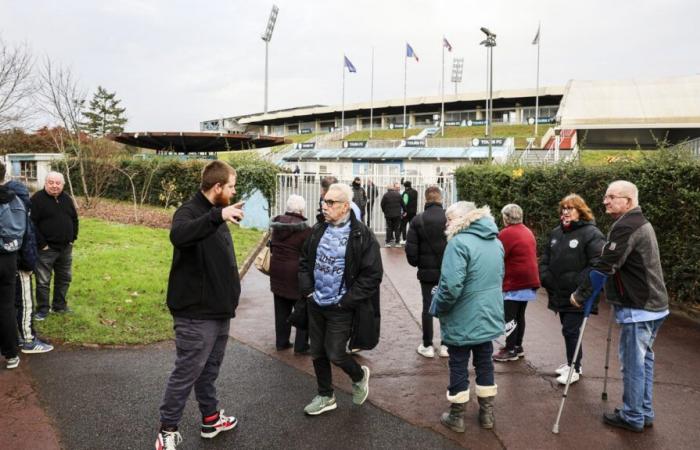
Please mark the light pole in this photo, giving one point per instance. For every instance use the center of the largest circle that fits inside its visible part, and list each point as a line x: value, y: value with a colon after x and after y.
x: 489, y: 43
x: 267, y: 35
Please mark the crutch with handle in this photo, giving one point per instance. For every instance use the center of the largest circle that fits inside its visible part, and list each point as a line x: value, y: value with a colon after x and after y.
x: 607, y: 354
x: 597, y: 282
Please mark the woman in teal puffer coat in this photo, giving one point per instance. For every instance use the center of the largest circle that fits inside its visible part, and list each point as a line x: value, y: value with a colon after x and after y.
x: 469, y: 303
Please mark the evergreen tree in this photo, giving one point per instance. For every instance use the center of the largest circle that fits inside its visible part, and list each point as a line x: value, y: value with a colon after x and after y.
x: 104, y: 115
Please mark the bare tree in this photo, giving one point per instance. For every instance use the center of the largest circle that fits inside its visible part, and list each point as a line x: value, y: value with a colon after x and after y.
x: 16, y: 84
x: 62, y: 98
x: 132, y: 172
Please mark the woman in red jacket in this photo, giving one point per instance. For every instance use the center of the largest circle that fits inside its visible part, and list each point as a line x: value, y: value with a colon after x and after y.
x: 289, y: 231
x: 520, y: 282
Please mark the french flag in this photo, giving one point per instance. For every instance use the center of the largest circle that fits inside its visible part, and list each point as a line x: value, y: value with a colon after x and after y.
x: 410, y: 53
x: 446, y: 44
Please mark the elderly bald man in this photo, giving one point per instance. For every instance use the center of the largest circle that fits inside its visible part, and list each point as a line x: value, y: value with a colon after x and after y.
x: 56, y: 224
x: 636, y: 289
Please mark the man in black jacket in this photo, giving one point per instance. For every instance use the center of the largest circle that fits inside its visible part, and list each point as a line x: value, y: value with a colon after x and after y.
x: 56, y: 227
x: 340, y: 270
x: 425, y: 246
x: 409, y: 198
x: 203, y: 291
x: 392, y: 207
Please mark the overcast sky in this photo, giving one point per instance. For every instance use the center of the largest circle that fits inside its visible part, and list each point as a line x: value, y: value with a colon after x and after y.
x: 175, y: 63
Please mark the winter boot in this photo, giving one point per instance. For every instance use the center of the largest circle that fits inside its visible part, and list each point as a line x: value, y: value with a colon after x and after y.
x: 454, y: 418
x: 486, y: 395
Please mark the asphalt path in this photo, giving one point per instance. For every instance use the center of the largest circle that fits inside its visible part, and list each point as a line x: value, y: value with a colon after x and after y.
x: 109, y: 398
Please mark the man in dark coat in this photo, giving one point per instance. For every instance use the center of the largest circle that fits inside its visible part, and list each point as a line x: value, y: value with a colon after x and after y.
x: 372, y: 193
x: 424, y: 249
x: 339, y: 272
x: 409, y: 198
x: 203, y: 291
x: 392, y: 207
x: 56, y: 226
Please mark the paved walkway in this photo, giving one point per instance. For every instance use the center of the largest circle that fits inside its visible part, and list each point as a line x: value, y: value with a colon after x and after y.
x: 92, y: 399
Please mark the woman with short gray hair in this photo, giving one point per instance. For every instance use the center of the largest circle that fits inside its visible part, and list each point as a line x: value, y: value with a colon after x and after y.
x: 289, y: 231
x: 521, y: 280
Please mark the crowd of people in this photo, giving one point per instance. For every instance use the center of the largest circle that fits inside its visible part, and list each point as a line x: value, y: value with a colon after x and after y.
x: 37, y: 235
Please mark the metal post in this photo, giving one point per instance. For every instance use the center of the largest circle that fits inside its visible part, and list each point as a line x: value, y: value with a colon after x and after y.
x: 405, y: 71
x: 266, y: 57
x: 442, y: 89
x: 342, y: 111
x: 490, y: 98
x: 371, y: 99
x: 537, y: 88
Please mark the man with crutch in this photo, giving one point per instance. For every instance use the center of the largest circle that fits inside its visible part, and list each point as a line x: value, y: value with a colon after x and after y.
x: 635, y: 287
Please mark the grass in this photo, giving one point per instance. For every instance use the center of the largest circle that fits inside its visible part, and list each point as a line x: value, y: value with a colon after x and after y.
x: 604, y: 157
x: 120, y: 276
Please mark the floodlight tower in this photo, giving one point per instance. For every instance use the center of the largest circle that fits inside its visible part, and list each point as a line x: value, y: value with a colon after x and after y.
x: 267, y: 35
x: 489, y: 43
x: 457, y: 68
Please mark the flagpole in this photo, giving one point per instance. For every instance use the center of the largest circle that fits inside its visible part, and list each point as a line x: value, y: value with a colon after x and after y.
x: 405, y: 69
x: 537, y: 88
x: 371, y: 99
x: 442, y: 112
x: 342, y: 114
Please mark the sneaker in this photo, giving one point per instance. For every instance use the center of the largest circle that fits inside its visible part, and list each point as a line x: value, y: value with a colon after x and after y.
x: 561, y: 379
x: 428, y: 352
x: 320, y: 404
x: 12, y: 363
x: 168, y: 440
x: 402, y: 243
x: 506, y: 355
x: 40, y: 316
x: 216, y: 424
x: 443, y: 352
x: 520, y: 351
x: 565, y: 368
x: 360, y: 390
x: 36, y: 346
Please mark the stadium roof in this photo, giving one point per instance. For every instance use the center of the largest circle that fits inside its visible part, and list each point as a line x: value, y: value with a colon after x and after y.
x: 665, y: 103
x: 398, y: 102
x: 406, y: 153
x: 196, y: 142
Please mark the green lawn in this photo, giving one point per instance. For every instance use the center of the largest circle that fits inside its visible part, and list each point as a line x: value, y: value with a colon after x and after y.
x: 120, y: 275
x: 604, y: 157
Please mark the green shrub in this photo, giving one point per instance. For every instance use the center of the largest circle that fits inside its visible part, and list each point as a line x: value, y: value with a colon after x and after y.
x: 669, y: 193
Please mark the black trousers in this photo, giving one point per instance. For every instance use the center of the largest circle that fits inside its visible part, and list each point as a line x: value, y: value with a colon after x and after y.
x: 393, y: 225
x: 570, y: 328
x: 404, y: 224
x: 329, y: 330
x: 283, y: 329
x: 426, y: 290
x: 8, y: 318
x: 515, y: 323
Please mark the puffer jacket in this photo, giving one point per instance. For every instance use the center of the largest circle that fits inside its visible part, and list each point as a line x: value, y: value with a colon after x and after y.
x: 289, y: 231
x: 469, y: 300
x: 566, y: 261
x: 426, y: 241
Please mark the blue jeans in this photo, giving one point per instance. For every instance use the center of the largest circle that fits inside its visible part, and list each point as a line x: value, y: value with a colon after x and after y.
x: 459, y: 366
x: 637, y: 363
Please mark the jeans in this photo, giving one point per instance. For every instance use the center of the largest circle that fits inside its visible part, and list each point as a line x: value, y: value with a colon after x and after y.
x: 570, y: 328
x: 637, y: 365
x: 200, y: 346
x: 8, y: 319
x: 515, y: 312
x: 283, y: 308
x: 392, y: 229
x: 59, y: 262
x: 329, y: 330
x: 459, y: 366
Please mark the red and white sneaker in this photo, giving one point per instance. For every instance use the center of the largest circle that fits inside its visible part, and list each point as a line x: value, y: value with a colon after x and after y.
x: 168, y: 440
x: 216, y: 423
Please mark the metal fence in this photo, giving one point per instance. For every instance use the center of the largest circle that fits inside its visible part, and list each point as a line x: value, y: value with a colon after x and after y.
x: 309, y: 187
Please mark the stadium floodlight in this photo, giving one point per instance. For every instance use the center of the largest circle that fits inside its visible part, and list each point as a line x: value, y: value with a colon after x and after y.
x: 457, y: 69
x: 489, y: 43
x: 267, y: 36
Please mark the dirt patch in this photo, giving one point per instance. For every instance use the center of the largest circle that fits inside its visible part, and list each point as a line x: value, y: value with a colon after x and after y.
x: 123, y: 212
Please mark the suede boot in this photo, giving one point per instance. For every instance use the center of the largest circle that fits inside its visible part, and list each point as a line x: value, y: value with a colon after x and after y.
x: 454, y: 418
x: 486, y: 395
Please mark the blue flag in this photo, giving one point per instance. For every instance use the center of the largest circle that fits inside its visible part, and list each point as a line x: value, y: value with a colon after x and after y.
x: 349, y: 65
x: 410, y: 53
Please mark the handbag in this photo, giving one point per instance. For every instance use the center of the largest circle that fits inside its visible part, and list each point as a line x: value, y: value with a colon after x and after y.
x: 262, y: 261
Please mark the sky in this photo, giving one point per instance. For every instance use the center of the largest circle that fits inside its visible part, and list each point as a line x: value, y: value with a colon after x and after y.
x: 175, y: 63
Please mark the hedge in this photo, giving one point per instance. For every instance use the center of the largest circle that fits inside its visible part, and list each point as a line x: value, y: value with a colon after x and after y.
x: 669, y: 194
x: 172, y: 182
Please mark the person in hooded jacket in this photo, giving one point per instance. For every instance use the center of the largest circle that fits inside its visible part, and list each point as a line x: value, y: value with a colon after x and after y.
x: 469, y: 303
x: 289, y: 231
x: 573, y: 247
x: 409, y: 198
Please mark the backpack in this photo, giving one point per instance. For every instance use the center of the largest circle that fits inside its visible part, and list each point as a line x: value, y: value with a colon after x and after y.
x: 13, y: 224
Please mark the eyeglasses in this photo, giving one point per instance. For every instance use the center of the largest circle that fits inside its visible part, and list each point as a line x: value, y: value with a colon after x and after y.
x: 567, y: 208
x: 613, y: 197
x: 331, y: 202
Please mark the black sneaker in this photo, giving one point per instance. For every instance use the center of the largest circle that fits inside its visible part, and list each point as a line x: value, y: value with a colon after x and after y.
x: 613, y: 419
x: 506, y: 355
x: 647, y: 422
